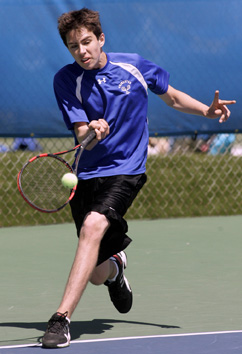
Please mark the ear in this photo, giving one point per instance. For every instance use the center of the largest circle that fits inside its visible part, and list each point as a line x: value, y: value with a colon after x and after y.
x: 101, y: 40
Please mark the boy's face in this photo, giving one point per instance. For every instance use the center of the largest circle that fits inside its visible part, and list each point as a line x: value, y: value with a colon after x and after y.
x: 86, y: 49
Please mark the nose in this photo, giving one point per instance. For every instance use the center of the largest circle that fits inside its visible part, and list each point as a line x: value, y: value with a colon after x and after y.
x: 82, y: 49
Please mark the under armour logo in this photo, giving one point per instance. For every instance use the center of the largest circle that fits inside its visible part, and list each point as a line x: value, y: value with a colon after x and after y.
x: 101, y: 80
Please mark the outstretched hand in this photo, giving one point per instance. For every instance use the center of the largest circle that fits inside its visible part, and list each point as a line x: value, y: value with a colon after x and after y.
x: 219, y: 108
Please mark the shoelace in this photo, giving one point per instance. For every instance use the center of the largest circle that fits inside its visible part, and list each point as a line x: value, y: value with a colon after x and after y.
x: 58, y: 323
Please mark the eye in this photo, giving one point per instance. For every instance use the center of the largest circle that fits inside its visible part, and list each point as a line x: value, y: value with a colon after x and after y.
x: 73, y: 46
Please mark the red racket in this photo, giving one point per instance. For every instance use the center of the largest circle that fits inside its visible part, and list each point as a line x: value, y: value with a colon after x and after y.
x: 39, y: 181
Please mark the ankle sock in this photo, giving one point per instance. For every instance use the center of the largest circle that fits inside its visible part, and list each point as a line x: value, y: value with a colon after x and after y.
x: 115, y: 277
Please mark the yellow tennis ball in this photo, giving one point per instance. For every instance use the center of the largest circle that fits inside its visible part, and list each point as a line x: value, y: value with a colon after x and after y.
x: 69, y: 180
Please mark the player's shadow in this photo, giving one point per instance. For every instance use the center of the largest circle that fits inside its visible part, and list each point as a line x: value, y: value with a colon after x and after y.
x: 99, y: 326
x: 79, y: 328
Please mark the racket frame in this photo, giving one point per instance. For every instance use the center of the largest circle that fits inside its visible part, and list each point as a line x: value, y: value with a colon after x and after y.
x: 56, y: 155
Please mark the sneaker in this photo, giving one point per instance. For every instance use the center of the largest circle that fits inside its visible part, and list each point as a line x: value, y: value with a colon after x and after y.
x: 57, y: 334
x: 119, y: 290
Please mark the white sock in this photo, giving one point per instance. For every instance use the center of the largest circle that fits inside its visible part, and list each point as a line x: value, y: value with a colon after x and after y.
x: 115, y: 277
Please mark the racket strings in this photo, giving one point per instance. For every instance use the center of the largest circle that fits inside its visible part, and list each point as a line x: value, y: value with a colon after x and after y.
x: 41, y: 183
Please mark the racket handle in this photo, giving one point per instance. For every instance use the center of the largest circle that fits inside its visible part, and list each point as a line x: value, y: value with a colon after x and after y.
x: 88, y: 139
x: 83, y: 145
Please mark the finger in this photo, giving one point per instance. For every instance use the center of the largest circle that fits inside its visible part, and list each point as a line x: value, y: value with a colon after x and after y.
x: 102, y: 121
x: 225, y: 115
x: 98, y: 134
x: 102, y: 130
x: 224, y: 102
x: 216, y: 97
x: 104, y: 125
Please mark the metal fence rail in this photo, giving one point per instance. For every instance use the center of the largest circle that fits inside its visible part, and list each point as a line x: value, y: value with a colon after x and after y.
x: 186, y: 177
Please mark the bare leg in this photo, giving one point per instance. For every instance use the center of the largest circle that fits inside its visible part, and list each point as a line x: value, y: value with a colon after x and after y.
x: 104, y: 271
x: 92, y: 232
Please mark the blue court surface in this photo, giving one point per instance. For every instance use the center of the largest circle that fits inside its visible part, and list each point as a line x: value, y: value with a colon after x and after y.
x: 203, y: 343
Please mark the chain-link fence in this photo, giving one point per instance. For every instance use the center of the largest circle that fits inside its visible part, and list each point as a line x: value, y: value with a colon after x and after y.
x: 187, y: 176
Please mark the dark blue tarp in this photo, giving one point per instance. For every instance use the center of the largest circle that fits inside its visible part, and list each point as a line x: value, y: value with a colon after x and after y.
x: 198, y: 42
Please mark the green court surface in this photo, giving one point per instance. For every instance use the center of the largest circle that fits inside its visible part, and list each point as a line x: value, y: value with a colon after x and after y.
x: 185, y: 275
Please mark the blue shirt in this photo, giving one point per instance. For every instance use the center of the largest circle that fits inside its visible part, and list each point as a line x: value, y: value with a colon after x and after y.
x: 118, y: 93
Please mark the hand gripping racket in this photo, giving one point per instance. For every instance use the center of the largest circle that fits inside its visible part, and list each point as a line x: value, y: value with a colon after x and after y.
x: 39, y: 181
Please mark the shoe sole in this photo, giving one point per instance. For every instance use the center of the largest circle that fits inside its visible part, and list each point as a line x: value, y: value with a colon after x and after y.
x: 62, y: 345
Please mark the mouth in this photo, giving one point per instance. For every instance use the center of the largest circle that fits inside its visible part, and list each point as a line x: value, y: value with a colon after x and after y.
x: 85, y: 60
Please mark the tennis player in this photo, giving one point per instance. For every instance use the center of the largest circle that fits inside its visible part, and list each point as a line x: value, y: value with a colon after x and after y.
x: 107, y: 92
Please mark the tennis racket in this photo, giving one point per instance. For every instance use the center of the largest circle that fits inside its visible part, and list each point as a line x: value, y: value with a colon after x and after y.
x: 39, y: 181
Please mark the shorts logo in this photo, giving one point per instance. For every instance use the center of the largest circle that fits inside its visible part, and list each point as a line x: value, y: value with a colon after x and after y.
x: 125, y: 86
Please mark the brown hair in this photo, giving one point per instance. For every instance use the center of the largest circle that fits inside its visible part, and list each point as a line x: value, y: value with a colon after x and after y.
x: 81, y: 18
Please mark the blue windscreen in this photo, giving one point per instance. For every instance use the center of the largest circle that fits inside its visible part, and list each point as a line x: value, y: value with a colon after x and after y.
x: 198, y: 41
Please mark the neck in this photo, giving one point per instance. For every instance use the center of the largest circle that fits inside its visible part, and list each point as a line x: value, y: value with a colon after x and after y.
x: 103, y: 60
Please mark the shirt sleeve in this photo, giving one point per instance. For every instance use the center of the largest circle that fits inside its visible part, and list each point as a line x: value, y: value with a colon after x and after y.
x: 156, y: 78
x: 69, y: 104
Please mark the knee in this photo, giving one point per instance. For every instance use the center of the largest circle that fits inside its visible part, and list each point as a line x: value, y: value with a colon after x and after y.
x: 94, y: 227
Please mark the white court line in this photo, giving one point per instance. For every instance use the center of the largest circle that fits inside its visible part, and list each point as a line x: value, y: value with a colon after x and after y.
x: 128, y: 338
x: 20, y: 346
x: 155, y: 336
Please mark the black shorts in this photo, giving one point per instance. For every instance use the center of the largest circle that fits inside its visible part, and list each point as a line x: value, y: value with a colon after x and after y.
x: 110, y: 196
